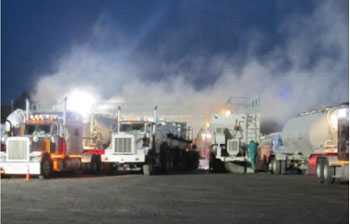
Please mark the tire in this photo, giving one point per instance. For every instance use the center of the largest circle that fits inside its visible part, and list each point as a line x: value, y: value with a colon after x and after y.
x: 147, y: 169
x: 276, y: 167
x: 46, y: 167
x: 96, y: 164
x: 107, y: 168
x: 283, y: 167
x: 328, y: 173
x: 164, y: 157
x: 218, y: 166
x: 320, y: 170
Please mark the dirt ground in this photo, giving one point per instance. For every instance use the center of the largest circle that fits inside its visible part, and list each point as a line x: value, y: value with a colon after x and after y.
x: 188, y: 198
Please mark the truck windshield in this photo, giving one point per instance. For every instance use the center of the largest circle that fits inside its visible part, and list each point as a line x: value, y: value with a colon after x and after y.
x: 132, y: 127
x: 34, y: 128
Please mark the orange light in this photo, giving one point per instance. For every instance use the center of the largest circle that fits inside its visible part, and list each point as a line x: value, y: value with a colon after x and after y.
x: 57, y: 156
x: 75, y: 156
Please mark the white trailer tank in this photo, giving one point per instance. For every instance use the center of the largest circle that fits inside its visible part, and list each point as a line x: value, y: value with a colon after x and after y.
x: 313, y: 131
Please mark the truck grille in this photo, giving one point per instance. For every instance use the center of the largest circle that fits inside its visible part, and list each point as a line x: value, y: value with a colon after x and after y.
x: 17, y: 149
x: 233, y: 147
x: 122, y: 145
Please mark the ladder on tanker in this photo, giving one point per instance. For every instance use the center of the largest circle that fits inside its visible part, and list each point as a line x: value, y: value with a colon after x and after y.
x: 253, y: 127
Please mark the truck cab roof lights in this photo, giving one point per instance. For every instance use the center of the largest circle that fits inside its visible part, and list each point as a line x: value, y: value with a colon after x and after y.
x: 43, y: 117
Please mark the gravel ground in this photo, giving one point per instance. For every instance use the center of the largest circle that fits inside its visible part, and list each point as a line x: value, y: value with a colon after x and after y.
x: 190, y: 198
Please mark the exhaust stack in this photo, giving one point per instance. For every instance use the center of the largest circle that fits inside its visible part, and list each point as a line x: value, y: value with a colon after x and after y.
x: 155, y: 119
x: 118, y: 119
x: 65, y: 112
x: 27, y: 109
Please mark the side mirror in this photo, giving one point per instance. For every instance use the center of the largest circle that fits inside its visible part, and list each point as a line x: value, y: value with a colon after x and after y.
x: 8, y: 126
x: 146, y: 141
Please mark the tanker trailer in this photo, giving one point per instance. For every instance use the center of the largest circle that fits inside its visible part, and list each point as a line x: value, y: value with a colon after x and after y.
x: 307, y: 137
x: 335, y: 166
x: 97, y: 132
x: 96, y: 138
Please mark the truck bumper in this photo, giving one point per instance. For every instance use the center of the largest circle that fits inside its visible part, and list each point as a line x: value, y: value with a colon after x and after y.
x: 342, y: 172
x: 238, y: 159
x: 111, y: 158
x: 19, y: 168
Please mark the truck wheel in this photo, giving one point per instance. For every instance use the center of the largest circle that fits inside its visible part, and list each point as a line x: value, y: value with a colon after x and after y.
x: 320, y: 169
x: 276, y: 167
x: 147, y: 169
x: 283, y: 164
x: 95, y: 164
x: 46, y: 167
x: 328, y: 172
x: 107, y: 168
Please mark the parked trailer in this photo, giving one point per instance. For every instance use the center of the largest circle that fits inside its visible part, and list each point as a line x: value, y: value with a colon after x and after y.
x: 308, y: 140
x: 48, y: 142
x: 282, y: 160
x: 98, y: 131
x: 330, y: 167
x: 150, y: 145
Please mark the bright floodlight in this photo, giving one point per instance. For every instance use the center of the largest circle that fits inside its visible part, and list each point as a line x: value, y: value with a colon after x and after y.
x: 342, y: 113
x: 227, y: 113
x: 81, y: 102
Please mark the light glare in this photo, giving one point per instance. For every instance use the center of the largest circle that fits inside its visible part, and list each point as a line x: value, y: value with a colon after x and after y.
x: 81, y: 102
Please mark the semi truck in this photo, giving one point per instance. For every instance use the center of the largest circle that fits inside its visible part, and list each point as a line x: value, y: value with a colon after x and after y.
x: 231, y: 134
x: 314, y: 142
x: 150, y: 145
x: 47, y: 142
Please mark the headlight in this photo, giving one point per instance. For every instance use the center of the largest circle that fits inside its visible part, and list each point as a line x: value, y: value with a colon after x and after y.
x: 35, y: 156
x: 35, y: 138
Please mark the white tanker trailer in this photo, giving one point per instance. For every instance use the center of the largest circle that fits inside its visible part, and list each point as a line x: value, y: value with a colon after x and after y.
x: 98, y: 131
x: 311, y: 136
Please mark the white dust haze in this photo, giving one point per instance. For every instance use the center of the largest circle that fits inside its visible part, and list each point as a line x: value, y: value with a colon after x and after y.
x: 117, y: 75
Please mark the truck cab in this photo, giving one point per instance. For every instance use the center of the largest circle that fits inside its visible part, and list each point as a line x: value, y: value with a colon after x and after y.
x: 150, y: 145
x: 129, y: 146
x: 47, y: 142
x: 231, y: 135
x: 38, y: 138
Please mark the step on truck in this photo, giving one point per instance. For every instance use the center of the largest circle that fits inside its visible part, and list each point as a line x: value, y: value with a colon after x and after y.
x: 47, y: 142
x: 150, y: 145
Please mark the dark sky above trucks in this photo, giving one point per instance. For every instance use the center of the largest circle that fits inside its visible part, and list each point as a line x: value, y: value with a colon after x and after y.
x: 193, y: 53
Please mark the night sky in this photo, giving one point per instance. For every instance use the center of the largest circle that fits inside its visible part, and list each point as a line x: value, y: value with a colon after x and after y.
x: 36, y: 33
